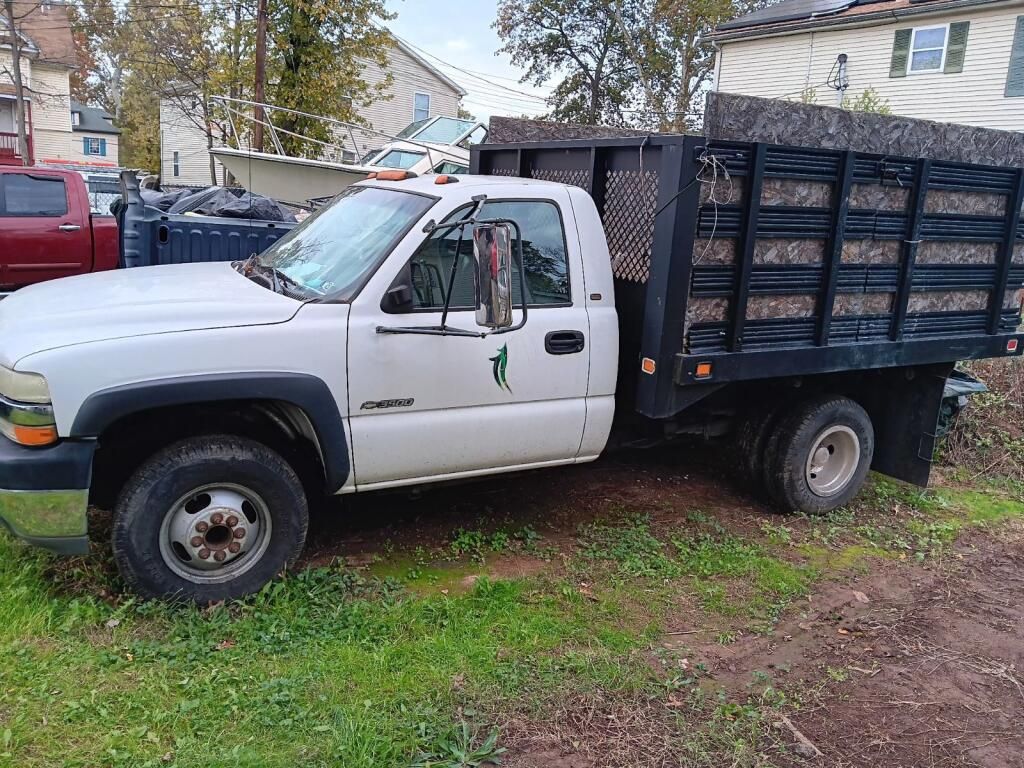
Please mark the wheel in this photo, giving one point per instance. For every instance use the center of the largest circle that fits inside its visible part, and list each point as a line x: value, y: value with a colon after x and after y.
x: 752, y: 436
x: 818, y: 454
x: 207, y: 519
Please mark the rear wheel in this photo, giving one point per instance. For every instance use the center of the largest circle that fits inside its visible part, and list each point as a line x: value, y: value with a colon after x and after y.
x: 818, y: 455
x: 207, y: 519
x: 751, y: 438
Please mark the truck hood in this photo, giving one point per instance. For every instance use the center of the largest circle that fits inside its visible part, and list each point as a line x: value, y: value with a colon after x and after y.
x: 134, y: 302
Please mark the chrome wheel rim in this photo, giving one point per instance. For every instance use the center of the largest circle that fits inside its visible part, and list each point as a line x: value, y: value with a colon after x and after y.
x: 833, y: 460
x: 215, y: 533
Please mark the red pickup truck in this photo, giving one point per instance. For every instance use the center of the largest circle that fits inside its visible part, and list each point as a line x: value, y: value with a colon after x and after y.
x: 49, y: 229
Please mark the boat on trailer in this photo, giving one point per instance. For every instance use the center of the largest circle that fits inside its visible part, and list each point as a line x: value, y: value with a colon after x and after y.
x: 436, y: 144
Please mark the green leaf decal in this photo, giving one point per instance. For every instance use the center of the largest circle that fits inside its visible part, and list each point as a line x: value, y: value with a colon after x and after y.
x: 500, y: 361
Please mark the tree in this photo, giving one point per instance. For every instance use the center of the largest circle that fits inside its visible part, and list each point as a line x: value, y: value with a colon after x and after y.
x: 318, y: 49
x: 583, y: 39
x: 19, y: 86
x: 683, y: 60
x: 641, y: 63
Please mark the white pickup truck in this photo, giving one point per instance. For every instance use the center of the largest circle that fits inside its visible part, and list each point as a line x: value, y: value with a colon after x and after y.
x: 414, y: 330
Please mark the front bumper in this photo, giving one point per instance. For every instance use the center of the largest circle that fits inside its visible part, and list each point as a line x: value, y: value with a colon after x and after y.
x: 44, y: 493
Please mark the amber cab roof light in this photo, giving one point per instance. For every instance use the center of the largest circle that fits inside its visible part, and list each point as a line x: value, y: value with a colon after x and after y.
x: 393, y: 175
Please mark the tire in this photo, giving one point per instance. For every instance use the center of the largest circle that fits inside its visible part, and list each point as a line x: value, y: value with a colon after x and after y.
x: 160, y: 544
x: 818, y: 455
x: 752, y: 436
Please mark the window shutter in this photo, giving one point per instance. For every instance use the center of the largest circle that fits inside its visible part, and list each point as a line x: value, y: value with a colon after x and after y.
x: 1015, y: 73
x: 85, y: 145
x: 103, y: 147
x: 900, y: 53
x: 956, y: 46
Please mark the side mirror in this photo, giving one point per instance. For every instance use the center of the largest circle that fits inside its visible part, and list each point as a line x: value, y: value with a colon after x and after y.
x: 492, y: 252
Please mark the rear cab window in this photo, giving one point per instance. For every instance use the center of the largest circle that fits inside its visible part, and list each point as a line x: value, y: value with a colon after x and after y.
x: 27, y: 194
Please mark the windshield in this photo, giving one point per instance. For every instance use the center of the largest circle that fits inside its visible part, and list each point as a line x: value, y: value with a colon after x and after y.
x: 444, y: 130
x: 399, y: 158
x: 338, y: 246
x: 411, y: 128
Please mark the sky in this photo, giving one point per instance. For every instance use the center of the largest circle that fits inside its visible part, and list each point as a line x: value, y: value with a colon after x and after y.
x: 457, y: 37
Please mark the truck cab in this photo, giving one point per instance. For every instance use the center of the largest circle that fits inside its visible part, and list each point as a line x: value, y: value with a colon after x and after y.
x: 47, y: 228
x: 352, y: 355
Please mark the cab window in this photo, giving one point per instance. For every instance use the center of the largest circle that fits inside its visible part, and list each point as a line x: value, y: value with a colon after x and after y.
x: 544, y: 255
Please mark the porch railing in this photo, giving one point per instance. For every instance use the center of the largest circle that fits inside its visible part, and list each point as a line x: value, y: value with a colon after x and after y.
x: 9, y: 154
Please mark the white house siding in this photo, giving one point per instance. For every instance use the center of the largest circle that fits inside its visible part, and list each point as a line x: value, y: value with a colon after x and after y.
x: 51, y: 113
x: 179, y: 133
x: 394, y: 110
x: 782, y: 67
x: 79, y: 156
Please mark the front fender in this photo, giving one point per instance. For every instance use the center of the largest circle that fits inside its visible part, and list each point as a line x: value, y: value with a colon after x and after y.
x: 309, y: 393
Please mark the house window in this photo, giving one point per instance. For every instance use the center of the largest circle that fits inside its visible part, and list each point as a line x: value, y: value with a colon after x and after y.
x: 420, y: 106
x: 93, y: 146
x: 177, y: 166
x: 928, y: 49
x: 76, y: 118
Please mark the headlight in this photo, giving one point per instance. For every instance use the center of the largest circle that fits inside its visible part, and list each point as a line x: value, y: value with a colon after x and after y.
x: 23, y: 387
x: 26, y: 416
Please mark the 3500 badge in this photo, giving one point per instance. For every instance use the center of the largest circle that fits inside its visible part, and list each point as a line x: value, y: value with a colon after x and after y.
x: 376, y: 405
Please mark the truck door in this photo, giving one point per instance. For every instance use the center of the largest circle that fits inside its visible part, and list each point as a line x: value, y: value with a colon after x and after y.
x: 436, y: 406
x: 44, y: 230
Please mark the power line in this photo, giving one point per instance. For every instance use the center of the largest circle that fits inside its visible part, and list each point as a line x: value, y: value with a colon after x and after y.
x: 471, y: 73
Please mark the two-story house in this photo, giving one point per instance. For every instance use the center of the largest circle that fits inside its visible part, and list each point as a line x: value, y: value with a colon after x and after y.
x: 48, y: 56
x: 95, y: 139
x: 417, y: 90
x: 956, y: 61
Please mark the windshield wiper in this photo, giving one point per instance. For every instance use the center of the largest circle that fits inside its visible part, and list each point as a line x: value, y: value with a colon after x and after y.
x: 278, y: 278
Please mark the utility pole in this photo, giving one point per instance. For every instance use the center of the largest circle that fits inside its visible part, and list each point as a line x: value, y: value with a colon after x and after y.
x: 261, y: 73
x: 19, y: 86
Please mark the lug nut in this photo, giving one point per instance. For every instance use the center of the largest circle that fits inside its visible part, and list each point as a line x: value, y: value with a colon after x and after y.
x: 202, y: 526
x: 204, y: 554
x: 232, y: 521
x: 196, y: 541
x: 216, y: 518
x: 219, y: 555
x: 239, y: 533
x: 234, y: 547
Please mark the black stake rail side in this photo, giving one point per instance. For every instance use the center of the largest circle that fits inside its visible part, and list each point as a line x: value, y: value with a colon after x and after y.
x: 656, y: 277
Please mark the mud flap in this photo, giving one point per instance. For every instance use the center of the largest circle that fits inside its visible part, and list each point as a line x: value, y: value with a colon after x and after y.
x: 904, y: 409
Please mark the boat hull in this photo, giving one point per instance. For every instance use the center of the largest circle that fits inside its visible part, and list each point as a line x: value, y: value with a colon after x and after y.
x: 291, y: 180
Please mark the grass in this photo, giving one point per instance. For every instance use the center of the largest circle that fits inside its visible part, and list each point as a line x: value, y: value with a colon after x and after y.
x: 323, y: 668
x: 411, y: 663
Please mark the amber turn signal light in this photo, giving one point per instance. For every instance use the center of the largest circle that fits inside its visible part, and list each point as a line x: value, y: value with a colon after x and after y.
x: 703, y: 371
x: 34, y: 435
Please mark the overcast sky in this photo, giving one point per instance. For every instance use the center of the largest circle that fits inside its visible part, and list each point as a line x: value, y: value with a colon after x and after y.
x: 459, y: 33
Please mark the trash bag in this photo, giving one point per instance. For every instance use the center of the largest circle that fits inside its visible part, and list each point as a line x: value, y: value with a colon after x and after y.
x: 250, y: 206
x: 202, y: 201
x: 163, y: 200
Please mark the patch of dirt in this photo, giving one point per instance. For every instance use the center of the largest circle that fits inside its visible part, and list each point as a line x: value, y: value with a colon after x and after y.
x: 907, y: 666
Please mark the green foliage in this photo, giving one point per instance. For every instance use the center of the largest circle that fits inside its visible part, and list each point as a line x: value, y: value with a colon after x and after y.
x: 461, y: 748
x: 640, y: 63
x: 867, y: 101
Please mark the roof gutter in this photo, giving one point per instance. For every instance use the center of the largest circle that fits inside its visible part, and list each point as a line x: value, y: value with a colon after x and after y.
x: 861, y: 20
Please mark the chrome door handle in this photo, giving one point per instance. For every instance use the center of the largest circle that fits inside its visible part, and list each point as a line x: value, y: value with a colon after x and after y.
x: 69, y: 227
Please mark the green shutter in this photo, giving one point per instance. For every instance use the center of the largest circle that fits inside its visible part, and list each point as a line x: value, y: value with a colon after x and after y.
x: 85, y: 145
x: 900, y: 53
x: 956, y: 46
x: 103, y: 147
x: 1015, y: 72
